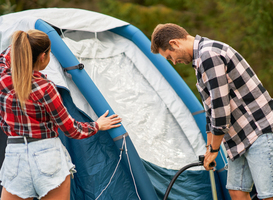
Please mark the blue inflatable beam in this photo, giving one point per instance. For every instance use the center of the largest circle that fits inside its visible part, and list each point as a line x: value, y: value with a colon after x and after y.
x: 99, y: 105
x: 181, y: 88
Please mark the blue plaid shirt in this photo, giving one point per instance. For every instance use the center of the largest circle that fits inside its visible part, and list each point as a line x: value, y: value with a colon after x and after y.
x: 236, y: 103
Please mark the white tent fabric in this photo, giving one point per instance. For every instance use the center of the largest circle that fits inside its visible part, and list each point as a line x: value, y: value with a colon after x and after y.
x: 159, y: 124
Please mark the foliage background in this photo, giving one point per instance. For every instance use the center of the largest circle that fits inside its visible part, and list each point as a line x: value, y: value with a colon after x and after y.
x: 246, y: 25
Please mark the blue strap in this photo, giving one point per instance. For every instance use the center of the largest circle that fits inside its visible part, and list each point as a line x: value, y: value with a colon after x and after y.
x: 198, y: 112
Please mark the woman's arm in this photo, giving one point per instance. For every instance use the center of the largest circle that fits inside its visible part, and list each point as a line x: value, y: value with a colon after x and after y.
x: 71, y: 127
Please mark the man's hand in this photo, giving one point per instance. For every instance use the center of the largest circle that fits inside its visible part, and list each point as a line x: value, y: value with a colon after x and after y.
x: 215, y: 142
x: 209, y: 158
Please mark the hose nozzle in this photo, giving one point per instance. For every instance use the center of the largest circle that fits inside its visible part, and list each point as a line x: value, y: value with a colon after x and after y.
x: 202, y: 158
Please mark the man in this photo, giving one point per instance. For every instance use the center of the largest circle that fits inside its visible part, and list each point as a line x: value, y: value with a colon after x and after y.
x: 238, y: 108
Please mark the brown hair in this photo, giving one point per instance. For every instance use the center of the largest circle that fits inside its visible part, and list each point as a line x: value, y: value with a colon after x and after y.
x: 26, y: 47
x: 163, y: 33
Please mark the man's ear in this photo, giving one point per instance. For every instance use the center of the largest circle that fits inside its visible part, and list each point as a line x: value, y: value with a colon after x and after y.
x: 174, y: 43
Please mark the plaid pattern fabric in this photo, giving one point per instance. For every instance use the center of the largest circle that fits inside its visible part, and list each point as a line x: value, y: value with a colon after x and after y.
x: 44, y: 111
x: 235, y: 101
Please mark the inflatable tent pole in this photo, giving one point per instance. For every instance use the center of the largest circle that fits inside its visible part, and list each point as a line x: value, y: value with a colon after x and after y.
x: 66, y: 58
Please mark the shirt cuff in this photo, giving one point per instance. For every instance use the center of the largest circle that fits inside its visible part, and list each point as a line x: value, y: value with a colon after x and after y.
x: 220, y: 131
x: 208, y: 127
x: 97, y: 126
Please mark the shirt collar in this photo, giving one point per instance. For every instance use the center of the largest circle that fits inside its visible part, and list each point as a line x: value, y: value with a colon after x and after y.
x: 38, y: 74
x: 196, y: 50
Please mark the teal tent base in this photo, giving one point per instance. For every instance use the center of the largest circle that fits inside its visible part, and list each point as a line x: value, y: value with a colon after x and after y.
x: 140, y: 175
x: 95, y: 159
x: 190, y: 185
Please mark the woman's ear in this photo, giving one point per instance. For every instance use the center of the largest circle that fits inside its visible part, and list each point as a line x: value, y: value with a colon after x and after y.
x: 42, y: 57
x: 42, y: 62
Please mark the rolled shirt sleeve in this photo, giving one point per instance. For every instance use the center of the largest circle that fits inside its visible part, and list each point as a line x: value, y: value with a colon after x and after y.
x: 213, y: 76
x: 59, y: 114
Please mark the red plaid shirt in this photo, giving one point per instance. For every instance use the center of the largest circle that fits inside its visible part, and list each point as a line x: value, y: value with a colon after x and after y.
x: 44, y: 111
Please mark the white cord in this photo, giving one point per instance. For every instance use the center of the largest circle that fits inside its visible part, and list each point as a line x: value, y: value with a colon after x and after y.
x: 62, y: 33
x: 131, y: 170
x: 120, y: 156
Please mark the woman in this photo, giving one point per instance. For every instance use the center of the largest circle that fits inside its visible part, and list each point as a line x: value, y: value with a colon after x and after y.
x: 36, y: 163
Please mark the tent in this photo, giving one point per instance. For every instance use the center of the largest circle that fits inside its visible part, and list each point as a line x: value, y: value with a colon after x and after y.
x: 163, y: 127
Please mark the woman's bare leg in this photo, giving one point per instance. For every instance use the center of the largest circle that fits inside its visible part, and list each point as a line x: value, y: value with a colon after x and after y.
x: 61, y: 193
x: 8, y: 196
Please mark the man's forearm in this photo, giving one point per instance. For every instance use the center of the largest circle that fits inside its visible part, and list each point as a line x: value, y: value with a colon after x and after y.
x: 209, y: 138
x: 216, y: 141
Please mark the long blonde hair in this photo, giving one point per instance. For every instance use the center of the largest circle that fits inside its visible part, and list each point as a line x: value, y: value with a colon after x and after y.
x: 26, y: 47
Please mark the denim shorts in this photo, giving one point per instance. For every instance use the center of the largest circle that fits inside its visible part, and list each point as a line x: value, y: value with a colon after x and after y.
x: 33, y: 169
x: 254, y: 166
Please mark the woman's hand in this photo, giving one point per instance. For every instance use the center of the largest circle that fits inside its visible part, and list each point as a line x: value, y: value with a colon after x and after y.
x: 106, y: 123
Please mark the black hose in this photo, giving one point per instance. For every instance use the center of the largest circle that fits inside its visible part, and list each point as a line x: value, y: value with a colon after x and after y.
x: 200, y: 163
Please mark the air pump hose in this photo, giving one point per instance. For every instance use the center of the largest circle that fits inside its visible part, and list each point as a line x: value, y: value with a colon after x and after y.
x: 200, y: 163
